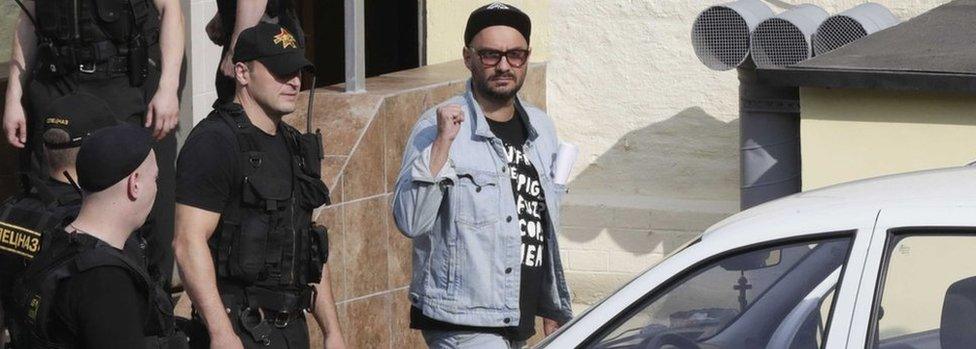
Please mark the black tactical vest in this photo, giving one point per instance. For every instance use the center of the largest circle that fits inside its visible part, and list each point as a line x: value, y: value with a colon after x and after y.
x: 24, y: 217
x: 279, y: 248
x: 71, y: 254
x: 80, y: 22
x: 108, y: 37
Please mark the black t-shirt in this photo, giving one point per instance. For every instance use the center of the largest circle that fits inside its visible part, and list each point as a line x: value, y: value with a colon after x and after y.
x: 100, y: 308
x: 530, y: 203
x: 207, y: 173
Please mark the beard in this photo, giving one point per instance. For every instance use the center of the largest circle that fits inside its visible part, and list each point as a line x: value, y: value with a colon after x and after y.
x: 485, y: 89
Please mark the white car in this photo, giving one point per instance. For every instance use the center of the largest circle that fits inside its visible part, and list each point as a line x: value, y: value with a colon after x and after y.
x: 884, y: 263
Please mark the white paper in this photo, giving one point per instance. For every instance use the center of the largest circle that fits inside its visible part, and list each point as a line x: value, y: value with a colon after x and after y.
x: 565, y: 158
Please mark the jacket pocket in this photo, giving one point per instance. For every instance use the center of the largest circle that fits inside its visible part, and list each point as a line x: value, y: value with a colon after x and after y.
x: 474, y: 198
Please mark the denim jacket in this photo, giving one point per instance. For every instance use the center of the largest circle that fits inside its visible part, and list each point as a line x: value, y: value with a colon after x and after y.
x: 464, y: 223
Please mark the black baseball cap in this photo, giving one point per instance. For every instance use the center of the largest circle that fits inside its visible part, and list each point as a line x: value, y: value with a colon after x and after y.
x: 79, y: 114
x: 272, y: 45
x: 497, y: 14
x: 111, y: 154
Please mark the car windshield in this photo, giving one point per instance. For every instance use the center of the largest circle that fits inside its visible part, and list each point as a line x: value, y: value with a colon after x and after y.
x: 746, y: 294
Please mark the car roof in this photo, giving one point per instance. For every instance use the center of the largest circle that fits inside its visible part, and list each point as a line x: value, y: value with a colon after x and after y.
x: 849, y: 204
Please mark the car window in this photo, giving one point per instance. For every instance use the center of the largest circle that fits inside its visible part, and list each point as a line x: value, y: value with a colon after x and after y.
x: 928, y: 292
x: 736, y: 301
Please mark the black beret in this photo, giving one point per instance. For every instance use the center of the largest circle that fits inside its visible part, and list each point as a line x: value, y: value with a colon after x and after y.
x: 79, y: 114
x: 497, y: 14
x: 111, y: 154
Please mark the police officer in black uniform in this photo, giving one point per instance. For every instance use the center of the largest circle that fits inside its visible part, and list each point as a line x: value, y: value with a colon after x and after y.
x: 232, y: 17
x: 51, y: 201
x: 250, y: 257
x: 81, y: 291
x: 125, y: 52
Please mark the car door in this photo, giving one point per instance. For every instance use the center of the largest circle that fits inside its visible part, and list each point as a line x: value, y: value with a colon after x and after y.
x: 918, y: 289
x: 735, y: 298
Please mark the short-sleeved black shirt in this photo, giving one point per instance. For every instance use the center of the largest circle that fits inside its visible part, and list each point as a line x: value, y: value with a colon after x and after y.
x: 207, y: 172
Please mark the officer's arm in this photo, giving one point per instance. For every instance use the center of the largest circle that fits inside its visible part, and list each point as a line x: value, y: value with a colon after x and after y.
x: 194, y: 226
x: 171, y: 42
x: 249, y: 12
x: 325, y: 312
x: 22, y: 52
x: 21, y: 59
x: 418, y: 196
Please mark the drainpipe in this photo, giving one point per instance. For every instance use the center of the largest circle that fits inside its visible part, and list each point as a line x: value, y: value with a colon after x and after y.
x: 769, y: 140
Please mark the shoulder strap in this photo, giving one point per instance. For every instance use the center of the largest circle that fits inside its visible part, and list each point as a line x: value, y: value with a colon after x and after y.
x: 248, y: 160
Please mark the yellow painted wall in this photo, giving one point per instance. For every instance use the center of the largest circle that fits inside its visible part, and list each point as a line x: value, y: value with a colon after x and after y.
x: 446, y: 20
x: 854, y: 134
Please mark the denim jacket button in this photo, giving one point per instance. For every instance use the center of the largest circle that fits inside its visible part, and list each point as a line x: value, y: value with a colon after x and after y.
x: 508, y: 270
x: 507, y: 320
x: 477, y: 190
x: 509, y: 219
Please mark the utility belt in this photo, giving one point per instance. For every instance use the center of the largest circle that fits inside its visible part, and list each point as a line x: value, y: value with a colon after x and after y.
x: 258, y: 309
x: 97, y: 60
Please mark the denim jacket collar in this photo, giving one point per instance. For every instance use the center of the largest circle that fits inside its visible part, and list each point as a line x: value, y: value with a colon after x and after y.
x: 480, y: 121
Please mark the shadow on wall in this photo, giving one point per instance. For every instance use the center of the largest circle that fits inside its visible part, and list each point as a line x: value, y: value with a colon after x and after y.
x: 657, y: 186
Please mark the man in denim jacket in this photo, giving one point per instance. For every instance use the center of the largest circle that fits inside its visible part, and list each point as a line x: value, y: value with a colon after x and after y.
x: 475, y: 193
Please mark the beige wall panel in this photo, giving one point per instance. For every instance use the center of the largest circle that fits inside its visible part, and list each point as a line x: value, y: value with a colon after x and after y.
x: 854, y: 134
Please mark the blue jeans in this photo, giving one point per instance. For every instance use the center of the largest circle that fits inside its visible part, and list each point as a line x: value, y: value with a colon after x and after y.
x: 468, y: 340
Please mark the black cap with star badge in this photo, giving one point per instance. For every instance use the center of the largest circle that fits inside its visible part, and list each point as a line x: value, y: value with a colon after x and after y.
x: 272, y: 45
x: 79, y: 114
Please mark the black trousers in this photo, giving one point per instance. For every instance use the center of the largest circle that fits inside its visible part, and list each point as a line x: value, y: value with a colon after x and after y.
x: 129, y: 104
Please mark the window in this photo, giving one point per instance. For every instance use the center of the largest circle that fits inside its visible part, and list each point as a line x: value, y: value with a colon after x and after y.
x: 745, y: 300
x: 927, y: 295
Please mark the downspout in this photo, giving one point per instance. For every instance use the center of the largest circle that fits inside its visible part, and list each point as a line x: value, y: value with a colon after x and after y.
x: 769, y: 140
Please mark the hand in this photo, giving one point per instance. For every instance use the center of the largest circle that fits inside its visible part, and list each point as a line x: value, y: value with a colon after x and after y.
x: 15, y: 124
x: 225, y: 340
x: 449, y: 119
x: 227, y: 64
x: 334, y: 341
x: 163, y: 113
x: 549, y: 326
x: 215, y: 31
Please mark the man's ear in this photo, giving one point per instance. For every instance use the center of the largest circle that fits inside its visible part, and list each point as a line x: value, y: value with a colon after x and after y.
x: 466, y: 55
x: 240, y: 73
x: 133, y: 189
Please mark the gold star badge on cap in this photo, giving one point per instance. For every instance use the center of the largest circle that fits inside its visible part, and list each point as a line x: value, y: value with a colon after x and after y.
x: 285, y: 39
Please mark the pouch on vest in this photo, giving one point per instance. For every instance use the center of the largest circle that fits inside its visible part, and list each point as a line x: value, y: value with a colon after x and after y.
x: 113, y: 15
x: 249, y: 246
x: 311, y: 192
x: 318, y: 251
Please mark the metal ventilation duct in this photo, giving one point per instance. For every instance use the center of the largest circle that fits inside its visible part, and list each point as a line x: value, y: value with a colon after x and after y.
x: 845, y: 27
x: 720, y: 34
x: 787, y: 38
